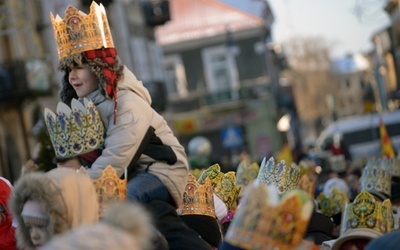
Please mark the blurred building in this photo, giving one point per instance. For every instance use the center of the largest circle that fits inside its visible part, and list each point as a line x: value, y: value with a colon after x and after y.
x: 218, y: 83
x: 352, y: 77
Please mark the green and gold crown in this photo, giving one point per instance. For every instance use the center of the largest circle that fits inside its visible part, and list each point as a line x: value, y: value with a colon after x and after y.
x: 366, y: 212
x: 224, y: 185
x: 376, y: 178
x: 109, y: 187
x: 284, y: 177
x: 197, y: 198
x: 262, y: 221
x: 245, y: 174
x: 76, y: 130
x: 333, y: 203
x: 79, y: 32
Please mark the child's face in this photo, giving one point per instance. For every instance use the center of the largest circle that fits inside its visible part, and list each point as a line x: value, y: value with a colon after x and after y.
x: 83, y: 80
x: 36, y: 222
x: 37, y: 230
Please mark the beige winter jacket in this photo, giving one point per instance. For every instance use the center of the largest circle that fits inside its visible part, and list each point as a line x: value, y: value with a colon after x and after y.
x: 166, y: 156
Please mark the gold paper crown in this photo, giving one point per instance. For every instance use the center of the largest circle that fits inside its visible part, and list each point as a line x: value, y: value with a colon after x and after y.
x: 223, y: 184
x: 332, y: 204
x: 197, y: 198
x: 376, y: 178
x: 262, y: 223
x: 285, y: 178
x: 245, y: 174
x: 76, y: 130
x: 365, y: 212
x: 109, y: 187
x: 79, y: 32
x: 306, y: 184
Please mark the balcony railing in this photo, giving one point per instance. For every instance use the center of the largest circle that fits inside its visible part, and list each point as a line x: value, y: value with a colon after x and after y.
x: 254, y: 89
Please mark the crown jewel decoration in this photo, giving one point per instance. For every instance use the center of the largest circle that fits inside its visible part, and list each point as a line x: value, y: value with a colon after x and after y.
x: 376, y: 178
x: 245, y: 174
x: 284, y: 177
x: 197, y: 198
x: 263, y: 222
x: 79, y: 32
x: 333, y: 203
x: 365, y: 212
x: 223, y: 184
x: 76, y: 130
x: 109, y: 187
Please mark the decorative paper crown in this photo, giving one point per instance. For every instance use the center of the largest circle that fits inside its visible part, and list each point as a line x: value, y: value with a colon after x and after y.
x: 76, y: 130
x: 306, y: 184
x: 196, y: 172
x: 365, y: 212
x: 223, y: 184
x: 79, y: 32
x: 376, y: 178
x: 197, y: 198
x: 109, y: 187
x: 261, y: 222
x: 245, y: 174
x: 394, y: 164
x: 285, y: 178
x: 338, y: 163
x: 332, y: 204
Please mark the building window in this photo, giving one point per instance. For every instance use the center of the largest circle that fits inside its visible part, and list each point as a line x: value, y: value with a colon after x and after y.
x: 175, y: 76
x: 220, y: 69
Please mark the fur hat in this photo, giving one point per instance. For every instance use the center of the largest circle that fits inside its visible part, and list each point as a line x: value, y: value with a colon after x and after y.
x: 101, y: 62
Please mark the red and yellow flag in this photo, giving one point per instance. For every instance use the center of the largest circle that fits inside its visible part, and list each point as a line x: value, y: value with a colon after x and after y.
x: 387, y: 147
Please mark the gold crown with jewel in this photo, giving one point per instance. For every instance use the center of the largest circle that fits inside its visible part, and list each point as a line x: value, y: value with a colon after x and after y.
x: 76, y: 130
x: 332, y: 204
x: 284, y: 177
x: 224, y: 185
x: 109, y: 187
x: 245, y: 174
x: 262, y: 221
x: 79, y: 32
x: 307, y: 177
x: 367, y: 213
x: 376, y: 178
x: 197, y: 198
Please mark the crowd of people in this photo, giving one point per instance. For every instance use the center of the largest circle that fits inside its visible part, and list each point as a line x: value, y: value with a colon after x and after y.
x: 123, y: 180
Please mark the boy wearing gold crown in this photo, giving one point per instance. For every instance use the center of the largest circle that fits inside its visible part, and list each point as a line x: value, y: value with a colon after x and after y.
x: 137, y: 137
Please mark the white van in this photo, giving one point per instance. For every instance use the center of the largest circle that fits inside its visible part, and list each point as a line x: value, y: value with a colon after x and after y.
x: 361, y: 134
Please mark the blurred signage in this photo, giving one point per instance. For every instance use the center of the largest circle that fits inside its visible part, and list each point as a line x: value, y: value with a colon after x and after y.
x: 232, y: 137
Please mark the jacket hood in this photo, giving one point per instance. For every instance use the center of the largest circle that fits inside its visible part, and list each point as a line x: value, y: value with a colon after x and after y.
x: 5, y: 192
x: 130, y: 82
x: 69, y: 198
